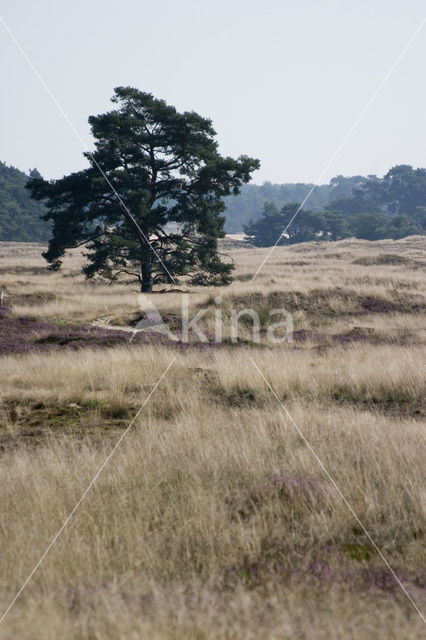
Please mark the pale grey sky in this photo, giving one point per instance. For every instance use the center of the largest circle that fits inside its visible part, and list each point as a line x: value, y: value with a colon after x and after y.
x: 282, y: 80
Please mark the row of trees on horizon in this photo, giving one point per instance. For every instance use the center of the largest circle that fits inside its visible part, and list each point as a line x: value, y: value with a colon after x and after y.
x: 390, y: 207
x: 370, y: 208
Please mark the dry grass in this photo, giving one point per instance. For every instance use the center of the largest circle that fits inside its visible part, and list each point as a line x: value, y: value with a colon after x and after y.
x: 212, y: 519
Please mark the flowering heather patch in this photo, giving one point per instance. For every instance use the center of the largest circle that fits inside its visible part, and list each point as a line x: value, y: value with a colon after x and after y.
x: 328, y: 566
x: 17, y: 335
x: 377, y: 305
x: 383, y: 578
x: 21, y: 335
x: 336, y: 569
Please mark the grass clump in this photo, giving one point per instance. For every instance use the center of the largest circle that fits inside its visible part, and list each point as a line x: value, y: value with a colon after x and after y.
x: 238, y: 396
x: 391, y: 401
x: 383, y: 259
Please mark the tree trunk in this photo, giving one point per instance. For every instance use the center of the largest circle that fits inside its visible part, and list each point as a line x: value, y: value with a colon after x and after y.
x: 146, y: 271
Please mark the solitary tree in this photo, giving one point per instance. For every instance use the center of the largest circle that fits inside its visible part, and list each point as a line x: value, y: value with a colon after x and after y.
x: 150, y: 203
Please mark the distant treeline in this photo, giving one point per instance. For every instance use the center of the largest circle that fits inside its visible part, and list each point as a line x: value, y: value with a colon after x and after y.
x: 365, y: 207
x: 390, y: 207
x: 248, y: 205
x: 20, y: 215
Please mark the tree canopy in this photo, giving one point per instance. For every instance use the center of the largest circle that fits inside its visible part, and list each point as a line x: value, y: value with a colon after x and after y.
x: 151, y: 202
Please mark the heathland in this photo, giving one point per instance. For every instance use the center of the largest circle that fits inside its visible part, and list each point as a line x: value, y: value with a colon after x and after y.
x: 214, y: 518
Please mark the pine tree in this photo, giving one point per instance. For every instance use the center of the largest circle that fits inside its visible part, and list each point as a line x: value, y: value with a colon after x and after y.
x: 151, y: 202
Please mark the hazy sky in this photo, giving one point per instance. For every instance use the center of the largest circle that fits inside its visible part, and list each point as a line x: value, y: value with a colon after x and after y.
x: 282, y: 80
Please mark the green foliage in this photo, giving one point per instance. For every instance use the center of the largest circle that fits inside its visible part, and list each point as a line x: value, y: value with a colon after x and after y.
x: 393, y: 207
x: 266, y: 230
x: 378, y: 226
x: 357, y: 551
x: 20, y: 217
x: 166, y: 168
x: 401, y: 192
x: 302, y: 227
x: 248, y: 205
x: 336, y: 225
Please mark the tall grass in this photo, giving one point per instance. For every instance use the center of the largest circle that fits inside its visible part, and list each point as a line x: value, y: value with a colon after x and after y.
x: 212, y: 519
